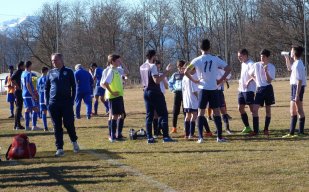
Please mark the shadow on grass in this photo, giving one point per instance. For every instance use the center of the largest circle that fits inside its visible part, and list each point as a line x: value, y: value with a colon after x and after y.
x: 28, y: 133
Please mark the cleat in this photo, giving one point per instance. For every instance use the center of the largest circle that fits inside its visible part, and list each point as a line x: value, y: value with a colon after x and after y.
x: 75, y: 147
x: 222, y: 140
x: 27, y: 129
x: 19, y: 127
x: 300, y: 135
x: 167, y: 140
x: 155, y: 136
x: 111, y: 140
x: 46, y: 129
x: 208, y: 134
x: 186, y: 137
x: 88, y: 117
x: 10, y: 117
x: 192, y: 137
x: 266, y: 132
x: 252, y: 134
x: 35, y: 128
x: 289, y: 136
x: 200, y: 140
x: 246, y: 130
x: 229, y: 132
x: 174, y: 130
x: 150, y: 141
x: 59, y: 153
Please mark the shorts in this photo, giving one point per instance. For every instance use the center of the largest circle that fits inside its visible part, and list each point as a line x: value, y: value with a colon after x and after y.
x: 221, y: 99
x: 10, y: 97
x: 116, y: 106
x: 30, y: 103
x: 246, y: 98
x: 293, y: 92
x: 98, y: 91
x: 189, y: 110
x: 208, y: 97
x: 265, y: 95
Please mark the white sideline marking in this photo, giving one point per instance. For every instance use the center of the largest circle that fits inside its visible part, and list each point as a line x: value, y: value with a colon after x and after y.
x: 129, y: 169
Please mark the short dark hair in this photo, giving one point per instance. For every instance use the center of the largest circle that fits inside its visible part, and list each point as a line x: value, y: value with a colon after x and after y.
x: 28, y: 64
x: 205, y: 45
x: 181, y: 63
x: 93, y: 65
x: 44, y: 69
x: 112, y: 57
x: 150, y: 54
x: 20, y: 64
x: 265, y: 52
x: 298, y: 51
x: 158, y: 62
x: 243, y: 52
x: 11, y: 67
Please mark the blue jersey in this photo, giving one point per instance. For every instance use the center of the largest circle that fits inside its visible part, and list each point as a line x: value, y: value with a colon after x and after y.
x: 41, y: 88
x: 98, y: 75
x: 84, y: 81
x: 26, y: 77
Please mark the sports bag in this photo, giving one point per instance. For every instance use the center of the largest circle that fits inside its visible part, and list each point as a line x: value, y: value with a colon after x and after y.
x: 21, y: 148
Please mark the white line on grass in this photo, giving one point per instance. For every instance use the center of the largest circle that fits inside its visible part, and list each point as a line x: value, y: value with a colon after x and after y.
x: 129, y: 169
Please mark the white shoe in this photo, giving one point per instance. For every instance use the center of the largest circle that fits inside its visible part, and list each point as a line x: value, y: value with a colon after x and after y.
x: 111, y: 140
x: 229, y: 132
x: 75, y: 147
x: 200, y: 140
x: 35, y: 128
x: 28, y: 129
x: 59, y: 153
x: 222, y: 140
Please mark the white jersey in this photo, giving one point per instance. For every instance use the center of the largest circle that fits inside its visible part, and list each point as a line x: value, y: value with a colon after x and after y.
x: 219, y: 76
x: 106, y: 76
x: 190, y: 101
x: 298, y: 73
x: 260, y: 75
x: 244, y: 77
x: 144, y: 70
x: 206, y: 68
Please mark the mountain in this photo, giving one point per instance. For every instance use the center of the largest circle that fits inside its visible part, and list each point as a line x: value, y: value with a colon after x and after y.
x: 10, y: 25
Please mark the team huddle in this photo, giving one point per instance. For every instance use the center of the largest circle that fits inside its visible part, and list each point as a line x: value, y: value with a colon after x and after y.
x: 198, y: 85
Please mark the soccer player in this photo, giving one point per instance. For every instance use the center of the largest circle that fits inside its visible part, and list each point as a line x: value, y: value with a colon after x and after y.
x: 153, y: 96
x: 30, y: 97
x: 206, y: 67
x: 114, y: 86
x: 10, y: 90
x: 60, y: 91
x: 263, y: 73
x: 298, y: 82
x: 246, y: 88
x: 41, y: 89
x: 84, y: 85
x: 175, y: 85
x: 190, y: 103
x: 99, y: 91
x: 16, y: 80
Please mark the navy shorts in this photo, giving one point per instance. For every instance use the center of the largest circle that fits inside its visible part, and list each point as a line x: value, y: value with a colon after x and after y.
x: 116, y: 106
x: 221, y: 98
x: 265, y: 95
x: 189, y: 110
x: 98, y: 91
x: 43, y: 107
x: 208, y: 97
x: 246, y: 98
x: 293, y: 92
x: 29, y: 103
x: 10, y: 97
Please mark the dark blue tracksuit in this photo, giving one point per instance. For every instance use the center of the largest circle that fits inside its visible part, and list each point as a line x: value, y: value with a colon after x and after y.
x: 60, y: 91
x: 84, y: 85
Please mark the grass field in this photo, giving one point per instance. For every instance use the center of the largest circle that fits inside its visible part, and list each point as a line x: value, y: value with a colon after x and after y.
x: 242, y: 164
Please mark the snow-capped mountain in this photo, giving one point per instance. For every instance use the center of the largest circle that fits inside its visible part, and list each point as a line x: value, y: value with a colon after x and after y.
x: 13, y: 23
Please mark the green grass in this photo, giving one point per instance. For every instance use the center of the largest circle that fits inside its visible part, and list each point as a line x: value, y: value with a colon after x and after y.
x: 243, y: 164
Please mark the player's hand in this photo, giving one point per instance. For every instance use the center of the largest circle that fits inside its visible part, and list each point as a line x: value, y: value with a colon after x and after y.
x: 296, y: 99
x: 169, y: 67
x: 265, y: 67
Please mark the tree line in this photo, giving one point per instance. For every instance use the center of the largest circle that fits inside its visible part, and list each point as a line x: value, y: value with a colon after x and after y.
x: 87, y: 31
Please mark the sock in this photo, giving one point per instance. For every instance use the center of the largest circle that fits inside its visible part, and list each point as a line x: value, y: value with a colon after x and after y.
x: 302, y: 125
x: 106, y: 106
x: 12, y: 108
x: 114, y: 127
x: 200, y: 124
x: 27, y: 118
x: 293, y: 124
x: 192, y: 127
x: 109, y: 127
x: 245, y: 120
x: 226, y: 121
x: 256, y: 124
x: 218, y: 123
x: 187, y: 128
x: 175, y: 118
x: 267, y: 122
x: 96, y: 104
x: 44, y: 118
x: 34, y: 118
x: 120, y: 126
x: 206, y: 125
x: 155, y: 123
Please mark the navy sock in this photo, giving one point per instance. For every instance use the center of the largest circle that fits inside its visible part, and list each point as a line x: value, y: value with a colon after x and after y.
x: 155, y: 123
x: 96, y: 105
x: 114, y: 127
x: 109, y: 127
x: 106, y: 106
x: 44, y: 118
x: 34, y: 118
x: 120, y: 126
x: 218, y: 124
x: 302, y: 125
x: 256, y: 124
x: 27, y: 118
x: 200, y: 124
x: 187, y: 128
x: 293, y: 124
x: 12, y: 108
x: 192, y: 128
x: 226, y: 121
x: 206, y: 124
x: 245, y: 120
x: 267, y: 122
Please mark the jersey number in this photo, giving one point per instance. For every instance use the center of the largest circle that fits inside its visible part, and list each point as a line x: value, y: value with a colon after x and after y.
x: 206, y: 64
